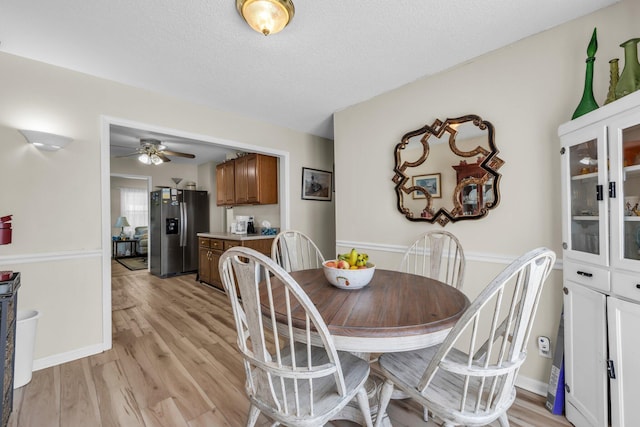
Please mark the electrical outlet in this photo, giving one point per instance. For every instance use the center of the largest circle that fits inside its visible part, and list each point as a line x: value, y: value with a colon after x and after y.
x: 544, y: 347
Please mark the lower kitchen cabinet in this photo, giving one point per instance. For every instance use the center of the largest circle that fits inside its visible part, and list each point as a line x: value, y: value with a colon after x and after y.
x: 585, y: 346
x: 211, y: 249
x: 624, y: 349
x: 602, y: 350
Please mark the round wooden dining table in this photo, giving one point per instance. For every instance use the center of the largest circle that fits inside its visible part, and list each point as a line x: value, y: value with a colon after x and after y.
x: 395, y: 312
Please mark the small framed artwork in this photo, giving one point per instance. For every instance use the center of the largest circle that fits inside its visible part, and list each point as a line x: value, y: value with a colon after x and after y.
x: 316, y: 184
x: 430, y: 182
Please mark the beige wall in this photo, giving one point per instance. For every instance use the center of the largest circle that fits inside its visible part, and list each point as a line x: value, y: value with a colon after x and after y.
x: 60, y: 200
x: 526, y: 91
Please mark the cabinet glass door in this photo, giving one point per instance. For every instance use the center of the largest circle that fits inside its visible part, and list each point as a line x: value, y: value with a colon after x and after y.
x: 584, y: 186
x: 625, y: 138
x: 585, y: 209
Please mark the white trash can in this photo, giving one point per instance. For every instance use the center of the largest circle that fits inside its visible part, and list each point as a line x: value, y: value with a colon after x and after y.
x: 26, y: 324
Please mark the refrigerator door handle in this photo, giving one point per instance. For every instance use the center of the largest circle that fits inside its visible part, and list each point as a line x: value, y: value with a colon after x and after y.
x: 183, y: 224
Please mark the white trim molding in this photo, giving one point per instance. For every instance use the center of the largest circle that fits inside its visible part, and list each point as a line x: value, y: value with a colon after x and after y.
x: 48, y: 256
x: 470, y: 256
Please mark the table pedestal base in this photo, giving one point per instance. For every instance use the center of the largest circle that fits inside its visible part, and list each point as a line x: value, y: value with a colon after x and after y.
x: 352, y: 411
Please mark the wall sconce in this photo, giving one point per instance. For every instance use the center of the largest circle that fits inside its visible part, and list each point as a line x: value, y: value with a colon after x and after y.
x: 45, y: 141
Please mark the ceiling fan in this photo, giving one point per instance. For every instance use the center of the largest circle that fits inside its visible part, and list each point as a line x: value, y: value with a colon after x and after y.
x: 152, y: 151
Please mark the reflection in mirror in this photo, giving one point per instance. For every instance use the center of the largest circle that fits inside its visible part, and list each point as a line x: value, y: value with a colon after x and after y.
x: 447, y: 171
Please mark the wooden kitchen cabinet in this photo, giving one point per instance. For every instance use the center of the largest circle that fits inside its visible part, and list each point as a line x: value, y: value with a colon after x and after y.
x: 225, y: 183
x: 248, y: 180
x: 212, y: 248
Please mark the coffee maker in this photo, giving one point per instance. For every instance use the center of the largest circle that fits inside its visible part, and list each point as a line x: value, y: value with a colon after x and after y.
x: 243, y: 225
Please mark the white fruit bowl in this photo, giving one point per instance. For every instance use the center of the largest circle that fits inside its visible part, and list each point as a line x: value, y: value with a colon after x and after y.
x: 349, y: 279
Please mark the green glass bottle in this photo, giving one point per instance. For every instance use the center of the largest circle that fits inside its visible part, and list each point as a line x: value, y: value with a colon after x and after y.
x: 588, y: 102
x: 629, y: 80
x: 613, y: 80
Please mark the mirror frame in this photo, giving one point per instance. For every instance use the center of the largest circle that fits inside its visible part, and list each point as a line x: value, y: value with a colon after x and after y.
x: 487, y: 160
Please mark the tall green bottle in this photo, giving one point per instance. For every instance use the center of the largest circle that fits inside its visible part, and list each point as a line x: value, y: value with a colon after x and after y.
x: 629, y: 80
x: 588, y: 102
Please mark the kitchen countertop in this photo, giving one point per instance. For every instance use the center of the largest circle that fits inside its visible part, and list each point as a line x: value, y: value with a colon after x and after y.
x: 230, y: 236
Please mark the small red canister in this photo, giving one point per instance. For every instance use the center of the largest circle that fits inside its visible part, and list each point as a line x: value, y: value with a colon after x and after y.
x: 5, y: 230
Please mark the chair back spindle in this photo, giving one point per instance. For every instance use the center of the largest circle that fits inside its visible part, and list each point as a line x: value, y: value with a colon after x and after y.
x: 294, y: 251
x: 436, y: 254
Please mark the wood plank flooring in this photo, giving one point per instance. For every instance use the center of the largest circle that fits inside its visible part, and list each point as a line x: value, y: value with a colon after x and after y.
x: 174, y: 363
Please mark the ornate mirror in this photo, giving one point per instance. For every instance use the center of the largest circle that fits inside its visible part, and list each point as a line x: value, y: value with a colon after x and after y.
x: 447, y: 171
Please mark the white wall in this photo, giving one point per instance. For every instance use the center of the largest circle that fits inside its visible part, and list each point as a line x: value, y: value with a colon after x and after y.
x: 56, y: 197
x: 526, y: 91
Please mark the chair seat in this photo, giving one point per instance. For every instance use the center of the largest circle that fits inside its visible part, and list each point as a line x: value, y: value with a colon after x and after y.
x: 406, y: 370
x: 327, y: 401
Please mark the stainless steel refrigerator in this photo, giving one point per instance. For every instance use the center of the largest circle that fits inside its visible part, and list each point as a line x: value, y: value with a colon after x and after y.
x: 176, y: 216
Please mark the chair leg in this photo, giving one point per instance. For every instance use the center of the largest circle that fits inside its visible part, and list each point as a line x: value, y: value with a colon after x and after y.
x: 503, y: 420
x: 363, y: 401
x: 254, y: 413
x: 385, y: 396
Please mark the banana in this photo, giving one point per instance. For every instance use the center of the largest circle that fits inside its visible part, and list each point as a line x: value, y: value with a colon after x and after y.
x: 353, y: 257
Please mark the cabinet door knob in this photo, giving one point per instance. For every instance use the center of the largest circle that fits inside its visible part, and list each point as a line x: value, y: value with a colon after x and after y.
x: 565, y: 290
x: 585, y: 274
x: 637, y: 285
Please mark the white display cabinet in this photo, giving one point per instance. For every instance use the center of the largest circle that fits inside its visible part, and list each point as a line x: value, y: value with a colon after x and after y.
x: 601, y: 252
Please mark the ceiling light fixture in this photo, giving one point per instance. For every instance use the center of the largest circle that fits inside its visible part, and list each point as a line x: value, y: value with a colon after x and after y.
x: 45, y: 141
x: 149, y: 154
x: 266, y: 16
x: 144, y: 158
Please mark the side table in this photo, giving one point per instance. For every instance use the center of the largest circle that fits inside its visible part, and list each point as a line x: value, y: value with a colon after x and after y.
x: 129, y: 244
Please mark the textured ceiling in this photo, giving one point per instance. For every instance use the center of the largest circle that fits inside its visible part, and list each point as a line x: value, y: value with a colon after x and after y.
x: 334, y: 54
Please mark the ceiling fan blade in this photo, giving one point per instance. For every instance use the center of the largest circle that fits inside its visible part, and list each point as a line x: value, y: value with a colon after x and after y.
x: 178, y: 154
x: 135, y: 153
x: 163, y: 157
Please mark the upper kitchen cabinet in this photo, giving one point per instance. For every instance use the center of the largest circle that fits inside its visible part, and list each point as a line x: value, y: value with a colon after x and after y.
x: 225, y: 183
x: 251, y: 179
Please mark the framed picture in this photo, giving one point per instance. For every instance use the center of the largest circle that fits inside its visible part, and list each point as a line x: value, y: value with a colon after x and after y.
x: 430, y: 182
x: 316, y: 184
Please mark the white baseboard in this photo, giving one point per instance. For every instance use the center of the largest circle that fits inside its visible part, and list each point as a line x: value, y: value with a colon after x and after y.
x: 58, y: 359
x: 534, y: 386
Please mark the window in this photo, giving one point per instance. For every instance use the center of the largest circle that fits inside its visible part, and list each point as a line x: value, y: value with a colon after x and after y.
x: 134, y: 204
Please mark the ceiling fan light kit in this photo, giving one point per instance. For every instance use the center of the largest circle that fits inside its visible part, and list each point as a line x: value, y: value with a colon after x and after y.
x: 153, y: 152
x: 266, y: 16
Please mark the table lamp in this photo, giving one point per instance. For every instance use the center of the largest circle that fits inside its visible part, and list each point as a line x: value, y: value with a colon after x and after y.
x: 122, y: 223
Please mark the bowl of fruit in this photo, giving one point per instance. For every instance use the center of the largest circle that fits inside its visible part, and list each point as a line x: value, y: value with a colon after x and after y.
x: 349, y: 271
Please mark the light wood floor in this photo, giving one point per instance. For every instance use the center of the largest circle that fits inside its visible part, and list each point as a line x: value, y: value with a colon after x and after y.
x: 174, y: 363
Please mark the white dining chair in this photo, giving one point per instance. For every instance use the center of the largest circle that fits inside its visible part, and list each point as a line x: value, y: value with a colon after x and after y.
x: 289, y: 380
x: 438, y: 255
x: 293, y: 251
x: 470, y: 378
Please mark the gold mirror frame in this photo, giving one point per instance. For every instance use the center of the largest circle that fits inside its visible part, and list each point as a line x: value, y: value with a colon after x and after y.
x: 444, y: 164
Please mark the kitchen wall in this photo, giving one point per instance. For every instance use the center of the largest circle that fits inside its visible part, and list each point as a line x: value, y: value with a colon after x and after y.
x: 526, y: 91
x: 60, y: 200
